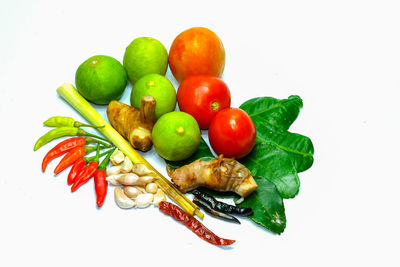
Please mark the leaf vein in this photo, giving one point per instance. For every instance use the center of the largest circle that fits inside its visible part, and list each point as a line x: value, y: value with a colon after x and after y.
x: 285, y: 148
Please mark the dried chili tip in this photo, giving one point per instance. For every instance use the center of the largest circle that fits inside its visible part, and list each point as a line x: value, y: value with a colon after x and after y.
x: 193, y: 224
x: 221, y: 206
x: 214, y: 212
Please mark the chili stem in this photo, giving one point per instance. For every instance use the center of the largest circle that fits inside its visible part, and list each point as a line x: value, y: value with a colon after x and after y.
x: 85, y: 133
x: 93, y: 140
x: 71, y: 95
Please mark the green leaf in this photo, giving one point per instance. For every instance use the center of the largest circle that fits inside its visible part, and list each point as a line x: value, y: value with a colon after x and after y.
x: 267, y: 205
x: 298, y: 147
x: 272, y: 118
x: 203, y: 152
x: 278, y: 113
x: 269, y: 161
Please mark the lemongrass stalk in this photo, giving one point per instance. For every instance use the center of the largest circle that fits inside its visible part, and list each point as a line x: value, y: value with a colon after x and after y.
x: 72, y: 96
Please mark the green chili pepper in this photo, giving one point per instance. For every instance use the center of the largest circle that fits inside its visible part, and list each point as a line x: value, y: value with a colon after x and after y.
x: 60, y: 132
x: 54, y: 134
x: 59, y: 121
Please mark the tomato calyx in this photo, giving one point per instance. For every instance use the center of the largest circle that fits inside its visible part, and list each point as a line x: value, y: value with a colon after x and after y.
x: 214, y: 106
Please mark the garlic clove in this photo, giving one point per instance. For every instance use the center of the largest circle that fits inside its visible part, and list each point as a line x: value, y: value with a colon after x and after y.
x: 130, y: 179
x: 122, y: 200
x: 158, y: 197
x: 132, y: 191
x: 116, y: 169
x: 144, y: 200
x: 126, y: 165
x: 140, y: 169
x: 117, y: 157
x: 151, y: 188
x: 141, y: 189
x: 147, y: 179
x: 114, y: 179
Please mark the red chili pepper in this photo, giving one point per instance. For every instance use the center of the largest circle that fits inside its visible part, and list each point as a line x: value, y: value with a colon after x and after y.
x: 62, y: 148
x: 87, y: 172
x: 100, y: 182
x: 72, y: 156
x: 76, y: 168
x: 100, y: 186
x: 192, y: 223
x: 84, y: 175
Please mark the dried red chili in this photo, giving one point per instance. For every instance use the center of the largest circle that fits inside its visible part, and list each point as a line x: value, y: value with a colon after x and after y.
x: 193, y: 224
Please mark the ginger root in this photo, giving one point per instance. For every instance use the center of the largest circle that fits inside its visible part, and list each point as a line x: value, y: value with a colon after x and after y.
x: 221, y: 174
x: 134, y: 124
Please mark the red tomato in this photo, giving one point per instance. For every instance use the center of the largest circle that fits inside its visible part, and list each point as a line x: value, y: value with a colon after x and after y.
x: 196, y: 51
x: 232, y: 133
x: 202, y: 96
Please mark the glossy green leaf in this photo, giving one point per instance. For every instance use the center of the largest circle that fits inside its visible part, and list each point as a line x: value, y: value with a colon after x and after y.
x: 272, y: 118
x: 298, y: 147
x: 269, y: 161
x: 267, y: 205
x: 278, y: 113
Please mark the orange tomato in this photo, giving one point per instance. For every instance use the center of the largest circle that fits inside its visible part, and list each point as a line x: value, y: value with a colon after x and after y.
x: 197, y: 50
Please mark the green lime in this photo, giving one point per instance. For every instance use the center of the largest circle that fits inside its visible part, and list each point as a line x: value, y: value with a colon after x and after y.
x: 101, y: 79
x: 145, y: 55
x: 158, y: 87
x: 176, y: 136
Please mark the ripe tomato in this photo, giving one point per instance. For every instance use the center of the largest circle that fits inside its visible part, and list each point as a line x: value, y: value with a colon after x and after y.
x: 232, y: 133
x: 197, y: 50
x: 202, y: 96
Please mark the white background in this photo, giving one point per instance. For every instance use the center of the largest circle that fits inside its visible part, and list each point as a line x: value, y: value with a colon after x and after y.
x: 341, y: 57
